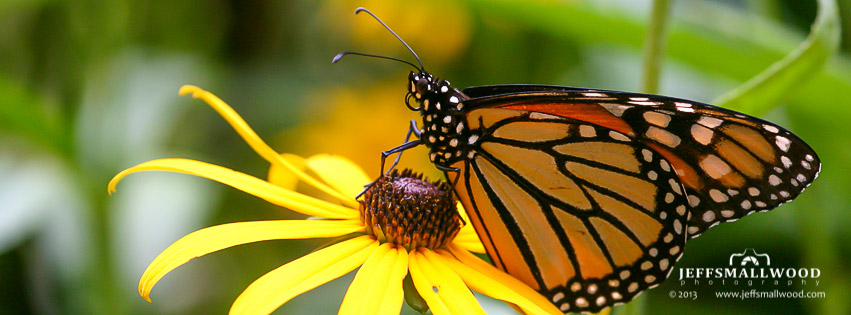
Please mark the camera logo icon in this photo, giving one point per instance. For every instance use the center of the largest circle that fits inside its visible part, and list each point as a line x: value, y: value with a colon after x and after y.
x: 749, y: 257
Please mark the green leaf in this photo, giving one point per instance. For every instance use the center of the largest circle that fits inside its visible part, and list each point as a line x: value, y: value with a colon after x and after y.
x: 637, y: 306
x: 762, y: 92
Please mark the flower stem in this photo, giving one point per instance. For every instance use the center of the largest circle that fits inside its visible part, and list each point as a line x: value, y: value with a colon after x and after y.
x: 654, y: 44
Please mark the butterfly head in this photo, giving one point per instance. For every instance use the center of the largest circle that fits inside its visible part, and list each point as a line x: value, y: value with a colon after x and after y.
x: 421, y: 84
x: 434, y: 95
x: 424, y: 86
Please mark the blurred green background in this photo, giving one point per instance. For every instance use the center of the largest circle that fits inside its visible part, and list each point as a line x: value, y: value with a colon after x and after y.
x: 88, y: 88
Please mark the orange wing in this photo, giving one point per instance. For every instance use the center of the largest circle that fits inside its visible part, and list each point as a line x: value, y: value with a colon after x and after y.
x: 584, y: 214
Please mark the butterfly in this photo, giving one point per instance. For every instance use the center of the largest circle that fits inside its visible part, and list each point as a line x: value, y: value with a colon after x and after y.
x: 588, y: 195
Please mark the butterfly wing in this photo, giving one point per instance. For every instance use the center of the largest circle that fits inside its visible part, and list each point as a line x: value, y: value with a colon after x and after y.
x: 589, y: 196
x: 731, y: 164
x: 582, y: 213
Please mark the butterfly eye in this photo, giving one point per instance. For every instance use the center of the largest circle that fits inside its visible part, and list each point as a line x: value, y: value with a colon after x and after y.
x: 423, y: 86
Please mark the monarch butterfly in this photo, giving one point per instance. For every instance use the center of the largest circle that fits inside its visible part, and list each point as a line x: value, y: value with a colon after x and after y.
x: 588, y: 195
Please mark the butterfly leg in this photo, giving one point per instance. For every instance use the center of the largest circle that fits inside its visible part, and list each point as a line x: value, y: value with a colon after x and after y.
x: 447, y: 169
x: 413, y: 129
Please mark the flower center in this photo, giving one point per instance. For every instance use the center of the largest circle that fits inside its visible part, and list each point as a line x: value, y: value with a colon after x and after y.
x: 405, y: 209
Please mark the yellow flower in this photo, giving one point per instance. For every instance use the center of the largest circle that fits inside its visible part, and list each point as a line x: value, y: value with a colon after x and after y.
x: 442, y: 272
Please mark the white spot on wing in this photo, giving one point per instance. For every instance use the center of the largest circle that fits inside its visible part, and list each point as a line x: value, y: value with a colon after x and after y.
x: 652, y: 175
x: 663, y: 136
x: 615, y: 109
x: 618, y: 136
x: 693, y: 200
x: 537, y: 115
x: 645, y: 103
x: 664, y: 165
x: 714, y: 166
x: 786, y: 161
x: 774, y: 180
x: 657, y: 119
x: 753, y: 191
x: 592, y: 288
x: 710, y: 122
x: 717, y: 196
x: 701, y: 134
x: 587, y: 131
x: 648, y: 156
x: 708, y: 216
x: 770, y: 128
x: 782, y: 143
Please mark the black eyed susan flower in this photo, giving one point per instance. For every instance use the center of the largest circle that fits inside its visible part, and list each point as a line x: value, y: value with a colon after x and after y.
x: 404, y: 226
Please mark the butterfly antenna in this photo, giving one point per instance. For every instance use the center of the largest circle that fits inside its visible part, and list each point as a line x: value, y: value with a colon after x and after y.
x: 342, y: 54
x: 421, y: 68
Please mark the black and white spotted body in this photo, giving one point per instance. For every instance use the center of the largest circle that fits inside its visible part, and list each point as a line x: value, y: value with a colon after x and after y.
x: 444, y: 129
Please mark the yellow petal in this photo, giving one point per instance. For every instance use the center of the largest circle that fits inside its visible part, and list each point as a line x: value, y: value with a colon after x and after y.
x: 284, y: 178
x: 377, y: 287
x: 340, y: 173
x: 393, y: 296
x: 357, y: 296
x: 278, y: 286
x: 219, y: 237
x: 253, y: 140
x: 467, y: 237
x: 462, y: 212
x: 252, y: 185
x: 470, y: 245
x: 488, y: 280
x: 440, y: 287
x: 425, y: 286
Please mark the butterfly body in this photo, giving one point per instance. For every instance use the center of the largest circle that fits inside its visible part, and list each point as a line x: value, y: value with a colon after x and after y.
x: 589, y: 196
x: 445, y: 130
